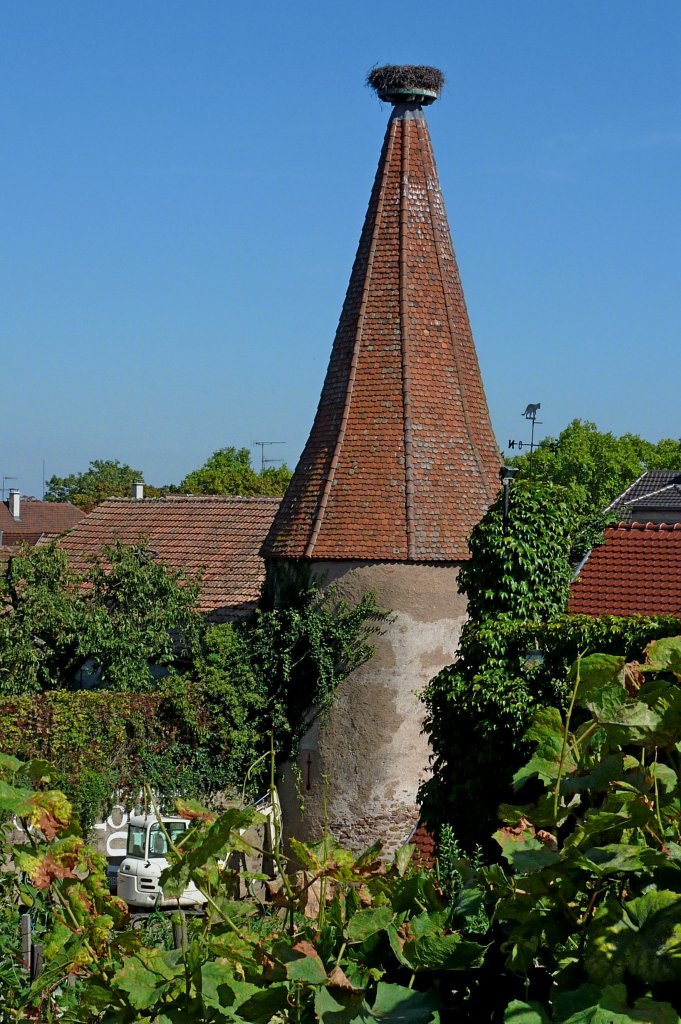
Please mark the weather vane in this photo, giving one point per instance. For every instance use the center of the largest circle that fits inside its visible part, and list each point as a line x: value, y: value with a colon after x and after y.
x: 531, y: 415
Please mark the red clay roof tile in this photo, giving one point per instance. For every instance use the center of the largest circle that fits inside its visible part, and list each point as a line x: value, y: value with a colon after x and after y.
x: 401, y: 461
x: 425, y: 854
x: 218, y: 537
x: 636, y: 571
x: 37, y: 518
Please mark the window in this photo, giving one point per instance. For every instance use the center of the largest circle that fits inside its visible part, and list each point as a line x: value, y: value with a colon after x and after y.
x: 158, y: 844
x: 135, y: 846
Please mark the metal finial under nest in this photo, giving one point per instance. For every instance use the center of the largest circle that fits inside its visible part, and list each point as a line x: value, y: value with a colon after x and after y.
x: 406, y: 83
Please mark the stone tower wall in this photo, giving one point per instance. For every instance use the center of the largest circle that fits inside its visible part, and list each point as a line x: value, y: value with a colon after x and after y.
x: 371, y: 749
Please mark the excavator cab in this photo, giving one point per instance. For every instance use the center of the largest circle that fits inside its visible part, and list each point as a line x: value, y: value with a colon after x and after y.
x: 146, y: 858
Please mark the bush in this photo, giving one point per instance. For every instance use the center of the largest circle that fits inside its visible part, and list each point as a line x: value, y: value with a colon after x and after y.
x: 197, y: 734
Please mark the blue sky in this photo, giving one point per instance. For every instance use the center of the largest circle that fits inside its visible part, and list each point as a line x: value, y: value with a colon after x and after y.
x: 183, y: 187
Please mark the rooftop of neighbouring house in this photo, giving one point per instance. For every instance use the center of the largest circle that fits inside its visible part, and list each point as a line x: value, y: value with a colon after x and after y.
x: 655, y: 495
x: 636, y: 571
x: 401, y: 461
x: 217, y: 537
x: 423, y: 839
x: 35, y: 519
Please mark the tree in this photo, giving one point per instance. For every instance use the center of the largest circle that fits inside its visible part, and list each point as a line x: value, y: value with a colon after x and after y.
x: 104, y: 478
x: 277, y: 669
x: 194, y: 729
x: 127, y: 612
x: 525, y: 571
x: 229, y: 471
x: 479, y: 707
x: 596, y: 466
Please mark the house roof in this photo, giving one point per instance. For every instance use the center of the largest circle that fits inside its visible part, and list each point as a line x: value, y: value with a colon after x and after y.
x: 423, y: 839
x: 651, y: 482
x: 666, y: 499
x: 636, y: 571
x: 401, y: 461
x: 219, y: 537
x: 36, y: 519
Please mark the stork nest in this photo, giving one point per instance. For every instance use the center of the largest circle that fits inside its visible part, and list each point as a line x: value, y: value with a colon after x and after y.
x: 405, y: 77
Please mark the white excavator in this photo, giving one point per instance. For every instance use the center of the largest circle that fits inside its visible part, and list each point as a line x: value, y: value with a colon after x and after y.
x: 146, y: 858
x: 138, y: 879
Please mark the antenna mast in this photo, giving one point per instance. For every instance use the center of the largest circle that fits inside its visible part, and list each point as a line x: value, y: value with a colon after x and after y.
x: 266, y: 462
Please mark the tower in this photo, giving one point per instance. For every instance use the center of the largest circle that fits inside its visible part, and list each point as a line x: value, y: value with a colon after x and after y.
x: 400, y: 463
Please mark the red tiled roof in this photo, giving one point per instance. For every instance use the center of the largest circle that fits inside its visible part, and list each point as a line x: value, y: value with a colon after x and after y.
x: 219, y: 537
x: 636, y: 571
x: 401, y: 461
x: 37, y: 518
x: 426, y: 848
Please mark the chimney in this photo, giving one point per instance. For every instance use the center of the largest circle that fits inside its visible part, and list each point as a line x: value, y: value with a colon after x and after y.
x: 15, y: 503
x: 138, y: 490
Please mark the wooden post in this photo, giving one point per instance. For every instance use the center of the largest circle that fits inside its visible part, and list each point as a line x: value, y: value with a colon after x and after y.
x: 36, y: 960
x: 179, y: 930
x: 25, y: 926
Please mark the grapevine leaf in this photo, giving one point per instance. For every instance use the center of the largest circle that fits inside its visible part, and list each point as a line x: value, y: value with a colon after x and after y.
x: 395, y: 1004
x: 546, y: 732
x: 351, y: 1010
x: 147, y: 976
x: 366, y: 922
x: 264, y: 1004
x: 523, y: 851
x: 442, y: 952
x: 518, y: 1012
x: 664, y: 655
x: 643, y: 937
x: 597, y: 672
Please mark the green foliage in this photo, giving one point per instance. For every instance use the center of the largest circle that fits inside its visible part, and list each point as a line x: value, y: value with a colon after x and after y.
x: 580, y: 920
x: 591, y: 909
x: 304, y: 652
x: 264, y: 674
x: 525, y: 572
x: 479, y: 709
x: 376, y: 949
x: 229, y: 471
x: 577, y: 921
x: 594, y: 465
x: 105, y: 745
x: 226, y: 471
x: 104, y: 478
x: 187, y: 735
x: 125, y: 613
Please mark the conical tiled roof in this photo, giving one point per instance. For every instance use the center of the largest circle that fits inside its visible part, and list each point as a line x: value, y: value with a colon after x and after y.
x: 401, y: 461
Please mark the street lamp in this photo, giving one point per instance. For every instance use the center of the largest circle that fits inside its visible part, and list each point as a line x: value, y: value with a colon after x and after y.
x: 506, y: 474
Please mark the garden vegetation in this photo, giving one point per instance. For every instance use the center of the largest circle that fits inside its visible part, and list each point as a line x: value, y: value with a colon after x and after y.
x: 114, y: 677
x: 576, y: 918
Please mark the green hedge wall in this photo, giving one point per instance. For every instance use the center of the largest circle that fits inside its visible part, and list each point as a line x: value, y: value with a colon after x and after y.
x: 103, y: 742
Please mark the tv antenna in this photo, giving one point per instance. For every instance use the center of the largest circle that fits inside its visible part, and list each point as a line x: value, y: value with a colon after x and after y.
x: 3, y: 483
x: 266, y: 462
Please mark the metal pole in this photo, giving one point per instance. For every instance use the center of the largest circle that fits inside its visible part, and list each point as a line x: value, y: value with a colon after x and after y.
x: 506, y: 484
